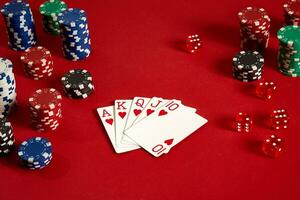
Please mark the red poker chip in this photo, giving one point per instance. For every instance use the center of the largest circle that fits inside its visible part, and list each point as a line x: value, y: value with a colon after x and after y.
x: 41, y: 117
x: 36, y: 55
x: 45, y: 128
x: 46, y: 121
x: 292, y: 8
x: 254, y: 16
x: 39, y: 69
x: 45, y: 124
x: 40, y: 73
x: 46, y: 118
x: 254, y: 29
x: 46, y: 112
x: 39, y: 66
x: 38, y: 77
x: 45, y: 98
x: 259, y: 36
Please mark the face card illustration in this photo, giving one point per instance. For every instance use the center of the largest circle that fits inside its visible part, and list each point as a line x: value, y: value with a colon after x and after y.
x: 107, y: 118
x: 165, y: 128
x: 153, y: 104
x: 122, y: 108
x: 137, y: 106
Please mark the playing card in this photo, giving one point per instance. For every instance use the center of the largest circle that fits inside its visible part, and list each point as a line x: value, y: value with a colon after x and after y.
x: 153, y: 104
x: 137, y: 106
x: 165, y: 127
x: 106, y: 115
x: 122, y: 108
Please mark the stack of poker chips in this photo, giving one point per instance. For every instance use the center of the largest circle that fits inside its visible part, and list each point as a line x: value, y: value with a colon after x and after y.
x: 20, y: 25
x: 289, y: 51
x: 8, y: 93
x: 38, y: 62
x: 49, y: 11
x: 35, y: 153
x: 76, y: 42
x: 292, y: 12
x: 6, y: 136
x: 247, y: 66
x: 78, y: 83
x: 254, y: 29
x: 45, y: 109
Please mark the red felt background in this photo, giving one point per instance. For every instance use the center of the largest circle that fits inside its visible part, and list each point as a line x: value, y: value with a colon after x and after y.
x: 137, y: 51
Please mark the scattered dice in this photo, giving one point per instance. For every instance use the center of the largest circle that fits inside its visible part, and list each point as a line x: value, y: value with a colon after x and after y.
x: 265, y: 89
x: 273, y: 146
x: 279, y: 119
x: 242, y: 122
x: 193, y: 43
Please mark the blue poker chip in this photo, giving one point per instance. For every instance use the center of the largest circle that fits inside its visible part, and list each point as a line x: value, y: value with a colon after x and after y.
x: 20, y: 29
x: 38, y: 164
x: 19, y: 24
x: 76, y: 47
x: 72, y: 17
x: 15, y: 8
x: 34, y: 150
x: 77, y: 30
x: 76, y: 38
x: 76, y: 55
x: 75, y: 34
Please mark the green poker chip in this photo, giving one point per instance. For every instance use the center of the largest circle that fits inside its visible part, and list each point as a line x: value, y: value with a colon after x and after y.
x: 49, y: 11
x: 289, y: 35
x: 52, y: 7
x: 289, y: 52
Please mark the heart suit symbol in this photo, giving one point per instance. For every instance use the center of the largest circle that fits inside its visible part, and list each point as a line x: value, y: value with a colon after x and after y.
x: 122, y: 114
x: 137, y: 111
x: 162, y: 112
x: 169, y: 141
x: 109, y: 121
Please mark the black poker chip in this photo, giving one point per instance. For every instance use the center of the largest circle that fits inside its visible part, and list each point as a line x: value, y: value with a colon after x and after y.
x: 76, y: 78
x: 7, y: 139
x: 248, y: 60
x: 79, y: 94
x: 77, y: 83
x: 247, y: 66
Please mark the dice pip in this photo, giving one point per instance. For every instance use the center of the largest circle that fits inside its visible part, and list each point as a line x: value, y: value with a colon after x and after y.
x: 279, y: 119
x: 193, y: 43
x: 243, y: 122
x: 265, y: 89
x: 273, y: 146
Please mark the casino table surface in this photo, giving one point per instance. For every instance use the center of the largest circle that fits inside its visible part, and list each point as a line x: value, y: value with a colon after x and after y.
x: 137, y: 51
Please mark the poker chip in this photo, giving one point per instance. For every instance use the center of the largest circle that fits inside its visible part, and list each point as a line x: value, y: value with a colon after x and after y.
x: 7, y: 87
x: 247, y: 66
x: 45, y: 109
x: 254, y: 29
x: 6, y: 136
x: 35, y: 153
x: 77, y: 83
x: 19, y: 25
x: 292, y: 12
x: 289, y: 52
x: 38, y: 62
x: 49, y: 11
x: 76, y: 42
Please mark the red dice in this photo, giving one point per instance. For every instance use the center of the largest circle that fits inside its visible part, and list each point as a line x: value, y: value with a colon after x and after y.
x: 242, y: 122
x: 265, y: 89
x: 193, y: 43
x: 279, y: 119
x: 273, y: 146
